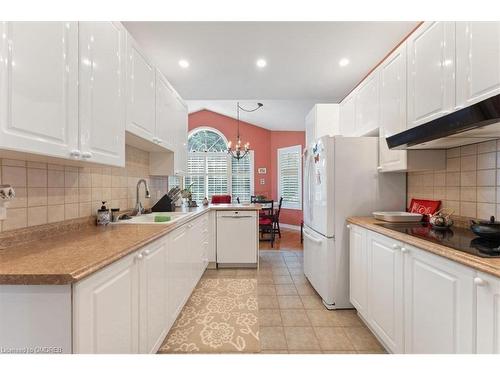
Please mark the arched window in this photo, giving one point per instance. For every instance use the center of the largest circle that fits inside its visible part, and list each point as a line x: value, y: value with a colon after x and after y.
x: 206, y: 140
x: 211, y: 171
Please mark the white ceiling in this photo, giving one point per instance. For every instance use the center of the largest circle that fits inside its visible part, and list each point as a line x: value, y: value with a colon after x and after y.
x: 274, y: 115
x: 302, y: 62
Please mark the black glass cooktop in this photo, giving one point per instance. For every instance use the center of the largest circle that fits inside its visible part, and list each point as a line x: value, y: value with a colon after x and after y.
x: 462, y: 239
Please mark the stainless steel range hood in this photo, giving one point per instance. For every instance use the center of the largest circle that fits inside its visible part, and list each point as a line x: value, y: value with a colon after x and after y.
x: 477, y: 123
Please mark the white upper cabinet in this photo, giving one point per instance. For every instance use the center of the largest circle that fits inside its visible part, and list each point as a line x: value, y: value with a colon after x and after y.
x: 323, y: 119
x: 38, y: 87
x: 478, y: 61
x: 367, y: 106
x: 348, y: 115
x: 439, y: 304
x: 165, y: 112
x: 431, y: 72
x: 140, y: 93
x: 488, y: 313
x: 392, y: 108
x: 181, y: 116
x: 102, y: 92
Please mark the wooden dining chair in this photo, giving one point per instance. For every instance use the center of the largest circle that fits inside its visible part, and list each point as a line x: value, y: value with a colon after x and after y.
x: 276, y: 218
x: 266, y: 221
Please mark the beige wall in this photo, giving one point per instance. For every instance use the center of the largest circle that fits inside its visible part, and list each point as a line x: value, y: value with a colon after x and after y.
x: 470, y: 185
x: 47, y: 193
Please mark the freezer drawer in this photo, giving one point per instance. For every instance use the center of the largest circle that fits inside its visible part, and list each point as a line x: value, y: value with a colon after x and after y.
x: 237, y: 240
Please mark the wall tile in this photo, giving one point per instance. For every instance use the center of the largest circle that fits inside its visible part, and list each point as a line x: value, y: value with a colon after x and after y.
x: 37, y: 197
x: 468, y: 194
x: 21, y: 198
x: 439, y: 179
x: 55, y: 213
x: 468, y: 163
x: 37, y: 215
x: 16, y: 218
x: 487, y: 161
x: 453, y: 165
x: 55, y: 196
x: 486, y: 177
x: 453, y: 193
x: 85, y: 194
x: 486, y: 194
x: 453, y: 179
x: 484, y: 147
x: 37, y: 177
x: 34, y: 164
x: 85, y: 180
x: 485, y: 210
x: 71, y: 195
x: 85, y: 209
x: 468, y: 150
x: 55, y: 178
x: 15, y: 176
x: 71, y: 211
x: 14, y: 163
x: 468, y: 209
x: 70, y: 179
x: 453, y: 152
x: 468, y: 178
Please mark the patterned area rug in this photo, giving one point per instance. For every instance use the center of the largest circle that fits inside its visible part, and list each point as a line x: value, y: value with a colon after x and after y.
x: 221, y: 316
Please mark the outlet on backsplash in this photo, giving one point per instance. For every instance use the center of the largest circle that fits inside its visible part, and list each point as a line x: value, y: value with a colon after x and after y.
x: 48, y: 193
x: 470, y: 184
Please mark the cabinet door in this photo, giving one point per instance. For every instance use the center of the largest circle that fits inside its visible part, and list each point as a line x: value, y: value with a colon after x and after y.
x: 140, y: 93
x: 39, y: 88
x: 358, y: 268
x: 181, y: 126
x: 165, y: 112
x: 310, y: 127
x: 154, y: 320
x: 105, y: 310
x: 179, y: 289
x: 347, y: 116
x: 488, y: 313
x: 385, y: 292
x: 102, y: 92
x: 439, y: 304
x: 367, y: 105
x: 392, y: 108
x: 478, y: 61
x: 431, y: 68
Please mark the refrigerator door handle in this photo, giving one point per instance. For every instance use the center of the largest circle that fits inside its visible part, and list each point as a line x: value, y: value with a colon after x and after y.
x: 308, y: 235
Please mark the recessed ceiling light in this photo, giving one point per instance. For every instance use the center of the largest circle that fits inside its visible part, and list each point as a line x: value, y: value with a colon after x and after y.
x: 184, y: 63
x: 261, y: 63
x: 344, y: 62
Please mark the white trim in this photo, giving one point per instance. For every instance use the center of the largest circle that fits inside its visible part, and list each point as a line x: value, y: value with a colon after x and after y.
x: 289, y: 149
x: 290, y: 226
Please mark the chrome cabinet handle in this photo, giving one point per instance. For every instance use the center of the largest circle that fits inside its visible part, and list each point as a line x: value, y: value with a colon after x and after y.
x: 395, y: 246
x: 75, y: 153
x: 86, y: 155
x: 348, y: 226
x: 139, y: 256
x: 147, y: 252
x: 404, y: 250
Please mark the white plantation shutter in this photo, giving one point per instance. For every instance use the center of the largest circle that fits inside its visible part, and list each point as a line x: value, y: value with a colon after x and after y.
x: 242, y: 178
x: 290, y: 176
x: 215, y: 173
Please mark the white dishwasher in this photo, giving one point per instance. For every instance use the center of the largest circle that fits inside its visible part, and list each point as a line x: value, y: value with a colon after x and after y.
x: 237, y: 239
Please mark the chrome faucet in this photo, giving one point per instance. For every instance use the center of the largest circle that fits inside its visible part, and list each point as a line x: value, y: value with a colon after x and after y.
x: 139, y: 209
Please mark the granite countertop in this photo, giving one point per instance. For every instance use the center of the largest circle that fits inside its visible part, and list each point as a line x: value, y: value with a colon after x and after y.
x: 70, y: 257
x: 488, y: 265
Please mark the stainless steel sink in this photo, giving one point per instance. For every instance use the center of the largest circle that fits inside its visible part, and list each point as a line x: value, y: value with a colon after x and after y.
x: 150, y: 218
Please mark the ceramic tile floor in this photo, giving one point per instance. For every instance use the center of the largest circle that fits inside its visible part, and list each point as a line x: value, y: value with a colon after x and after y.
x: 292, y: 317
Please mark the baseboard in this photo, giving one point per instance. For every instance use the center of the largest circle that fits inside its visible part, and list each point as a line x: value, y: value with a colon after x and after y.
x: 290, y: 226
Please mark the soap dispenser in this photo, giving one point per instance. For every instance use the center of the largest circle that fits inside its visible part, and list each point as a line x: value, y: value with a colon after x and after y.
x: 103, y: 215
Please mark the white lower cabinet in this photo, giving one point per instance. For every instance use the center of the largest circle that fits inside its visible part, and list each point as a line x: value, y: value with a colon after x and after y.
x: 357, y: 268
x: 417, y: 302
x: 385, y: 291
x: 106, y: 309
x: 439, y: 302
x: 130, y: 305
x: 487, y: 313
x: 153, y: 296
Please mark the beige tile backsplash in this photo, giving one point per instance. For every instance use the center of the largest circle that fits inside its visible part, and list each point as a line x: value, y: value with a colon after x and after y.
x: 470, y: 185
x: 47, y: 193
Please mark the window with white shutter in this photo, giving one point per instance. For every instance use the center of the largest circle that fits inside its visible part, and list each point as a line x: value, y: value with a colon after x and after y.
x: 290, y: 176
x: 211, y: 171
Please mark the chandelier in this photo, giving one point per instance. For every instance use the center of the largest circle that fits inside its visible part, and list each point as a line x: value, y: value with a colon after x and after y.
x: 239, y: 151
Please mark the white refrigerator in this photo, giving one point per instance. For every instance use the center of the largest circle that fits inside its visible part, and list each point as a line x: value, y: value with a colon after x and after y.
x: 341, y: 180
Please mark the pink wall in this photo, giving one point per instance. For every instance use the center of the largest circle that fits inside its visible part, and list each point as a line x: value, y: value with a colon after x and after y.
x: 264, y: 143
x: 280, y: 139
